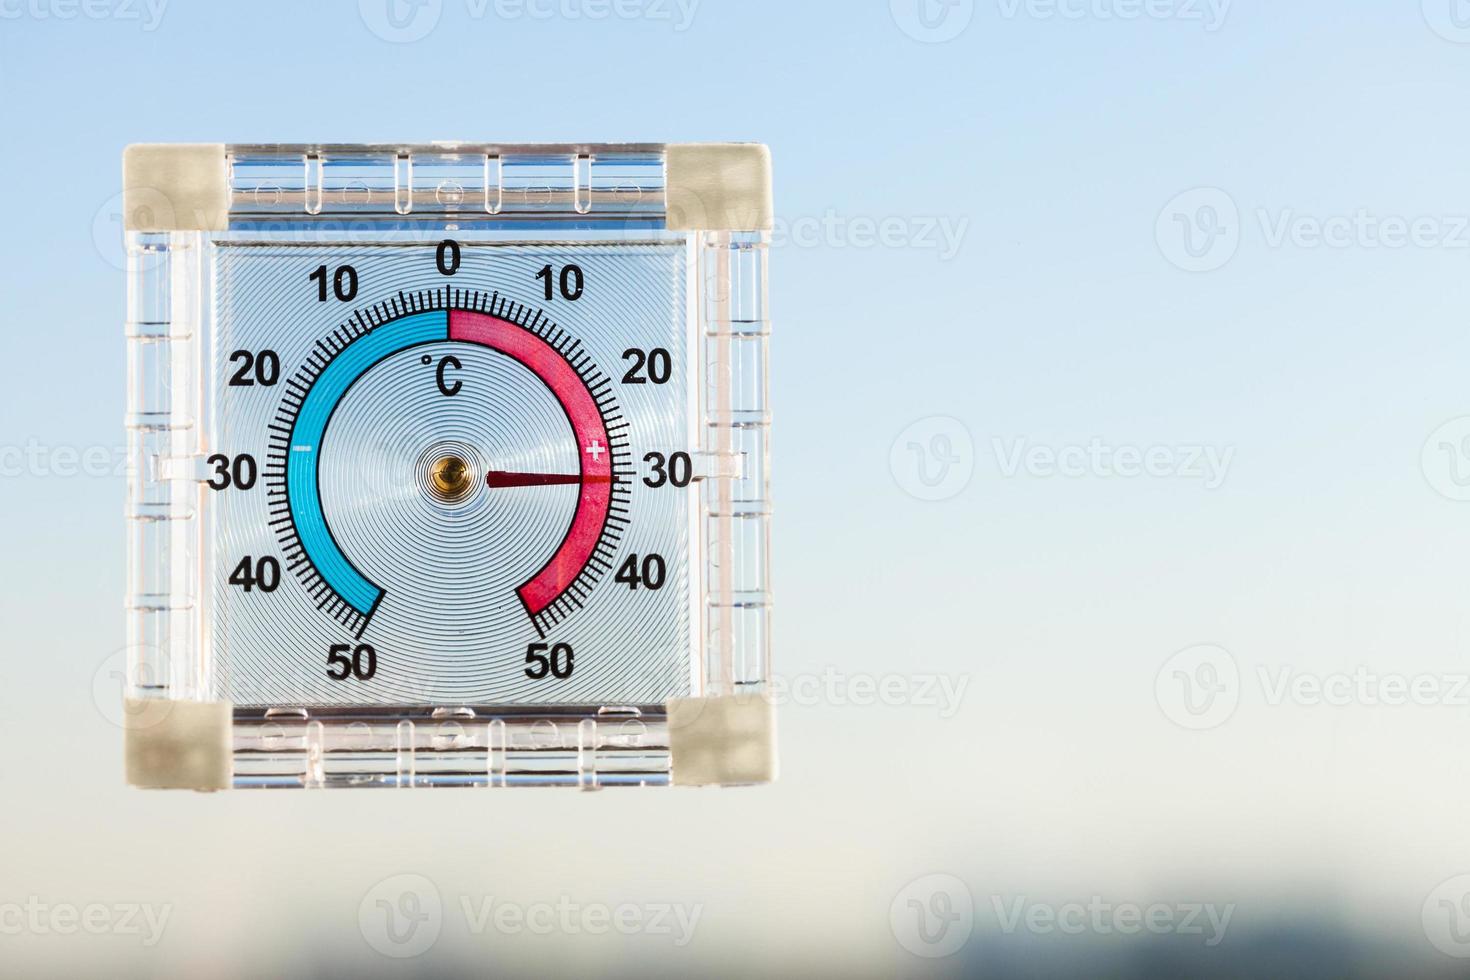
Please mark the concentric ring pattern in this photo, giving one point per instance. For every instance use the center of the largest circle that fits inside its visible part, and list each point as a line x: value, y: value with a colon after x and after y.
x: 450, y: 625
x: 449, y: 572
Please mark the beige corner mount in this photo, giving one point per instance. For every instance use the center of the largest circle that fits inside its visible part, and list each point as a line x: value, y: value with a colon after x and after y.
x: 722, y: 741
x: 718, y: 187
x: 179, y: 744
x: 175, y: 187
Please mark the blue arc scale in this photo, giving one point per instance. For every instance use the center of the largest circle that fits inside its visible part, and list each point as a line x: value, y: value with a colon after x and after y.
x: 302, y: 434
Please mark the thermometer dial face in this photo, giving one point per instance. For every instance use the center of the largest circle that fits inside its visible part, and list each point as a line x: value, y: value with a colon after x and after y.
x: 452, y: 471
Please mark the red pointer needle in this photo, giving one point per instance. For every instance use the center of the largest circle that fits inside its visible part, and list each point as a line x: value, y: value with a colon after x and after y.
x: 508, y: 478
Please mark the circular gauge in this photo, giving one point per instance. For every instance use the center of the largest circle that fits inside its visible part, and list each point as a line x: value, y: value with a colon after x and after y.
x: 464, y: 496
x: 394, y: 481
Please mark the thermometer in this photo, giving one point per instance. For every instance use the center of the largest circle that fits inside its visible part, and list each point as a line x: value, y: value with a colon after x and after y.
x: 449, y: 465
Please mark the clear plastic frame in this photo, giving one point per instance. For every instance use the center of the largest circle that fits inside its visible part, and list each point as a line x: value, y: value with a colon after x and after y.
x: 449, y: 465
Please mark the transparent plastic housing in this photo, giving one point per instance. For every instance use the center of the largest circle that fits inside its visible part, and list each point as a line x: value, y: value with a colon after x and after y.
x: 314, y: 200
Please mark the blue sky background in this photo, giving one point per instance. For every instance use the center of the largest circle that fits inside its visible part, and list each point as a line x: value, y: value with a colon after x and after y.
x: 1066, y: 151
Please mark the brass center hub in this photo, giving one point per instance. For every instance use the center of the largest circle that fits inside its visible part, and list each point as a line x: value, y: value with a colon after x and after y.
x: 450, y: 477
